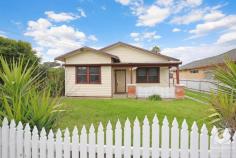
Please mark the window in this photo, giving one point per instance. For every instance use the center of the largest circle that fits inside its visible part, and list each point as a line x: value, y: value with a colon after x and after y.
x: 148, y: 75
x: 88, y: 74
x: 193, y: 71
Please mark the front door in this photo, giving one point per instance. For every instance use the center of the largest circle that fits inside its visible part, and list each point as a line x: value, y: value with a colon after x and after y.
x: 120, y: 81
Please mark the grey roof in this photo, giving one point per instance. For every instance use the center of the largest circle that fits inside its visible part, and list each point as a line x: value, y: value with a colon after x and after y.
x: 211, y: 61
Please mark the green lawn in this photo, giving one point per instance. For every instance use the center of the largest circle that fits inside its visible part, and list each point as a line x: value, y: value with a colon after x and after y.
x: 197, y: 95
x: 86, y: 111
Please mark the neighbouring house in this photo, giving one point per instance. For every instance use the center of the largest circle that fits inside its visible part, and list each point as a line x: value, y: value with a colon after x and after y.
x: 119, y: 68
x: 203, y: 69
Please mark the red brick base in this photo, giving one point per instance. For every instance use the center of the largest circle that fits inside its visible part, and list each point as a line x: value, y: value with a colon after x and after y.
x: 132, y: 91
x: 179, y: 91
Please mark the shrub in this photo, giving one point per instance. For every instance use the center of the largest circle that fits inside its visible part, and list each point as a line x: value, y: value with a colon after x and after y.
x: 22, y: 99
x: 56, y: 81
x: 155, y: 97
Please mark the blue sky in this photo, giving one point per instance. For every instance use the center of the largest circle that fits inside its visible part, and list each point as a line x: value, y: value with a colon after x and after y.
x: 185, y: 29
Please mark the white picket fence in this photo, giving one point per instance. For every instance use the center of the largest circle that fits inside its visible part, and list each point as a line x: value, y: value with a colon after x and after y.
x: 148, y: 141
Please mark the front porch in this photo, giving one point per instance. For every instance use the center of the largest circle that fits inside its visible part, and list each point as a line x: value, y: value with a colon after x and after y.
x: 127, y: 80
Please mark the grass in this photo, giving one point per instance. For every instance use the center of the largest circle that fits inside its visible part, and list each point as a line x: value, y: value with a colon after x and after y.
x: 197, y: 95
x: 86, y: 111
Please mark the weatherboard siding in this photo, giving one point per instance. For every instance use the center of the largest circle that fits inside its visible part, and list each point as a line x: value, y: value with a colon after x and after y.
x: 73, y: 89
x: 88, y: 57
x: 132, y: 55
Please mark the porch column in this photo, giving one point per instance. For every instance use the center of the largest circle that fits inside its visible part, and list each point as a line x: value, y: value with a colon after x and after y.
x: 131, y: 75
x: 177, y: 74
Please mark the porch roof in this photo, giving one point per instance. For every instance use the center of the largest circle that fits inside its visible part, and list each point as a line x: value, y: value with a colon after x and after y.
x: 161, y: 64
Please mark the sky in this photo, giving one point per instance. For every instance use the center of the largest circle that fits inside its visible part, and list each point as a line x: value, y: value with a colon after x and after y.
x: 186, y: 29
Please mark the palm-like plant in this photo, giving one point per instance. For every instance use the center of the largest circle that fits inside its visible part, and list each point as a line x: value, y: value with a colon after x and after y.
x: 22, y: 99
x: 223, y: 101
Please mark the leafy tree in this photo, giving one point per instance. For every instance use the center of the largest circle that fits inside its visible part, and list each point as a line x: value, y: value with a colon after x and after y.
x: 156, y: 49
x: 12, y: 49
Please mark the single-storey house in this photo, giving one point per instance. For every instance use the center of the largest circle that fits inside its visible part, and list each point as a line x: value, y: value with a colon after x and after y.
x: 203, y: 69
x: 119, y: 68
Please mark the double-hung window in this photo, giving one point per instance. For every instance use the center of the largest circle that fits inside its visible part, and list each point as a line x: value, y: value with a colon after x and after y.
x: 88, y: 74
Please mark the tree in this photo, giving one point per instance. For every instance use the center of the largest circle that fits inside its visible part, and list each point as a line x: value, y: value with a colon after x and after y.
x: 156, y: 49
x: 12, y: 49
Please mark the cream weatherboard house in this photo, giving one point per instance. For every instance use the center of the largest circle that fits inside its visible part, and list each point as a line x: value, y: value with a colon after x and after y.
x: 119, y: 68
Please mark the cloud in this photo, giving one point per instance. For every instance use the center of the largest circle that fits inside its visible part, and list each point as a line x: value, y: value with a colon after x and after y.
x: 160, y: 10
x: 176, y: 30
x: 123, y: 2
x: 193, y: 16
x: 63, y: 17
x: 214, y: 15
x: 92, y: 38
x: 3, y: 34
x: 222, y: 23
x: 56, y: 39
x: 191, y: 53
x: 227, y: 37
x: 145, y: 36
x: 152, y: 16
x: 164, y: 2
x: 194, y: 2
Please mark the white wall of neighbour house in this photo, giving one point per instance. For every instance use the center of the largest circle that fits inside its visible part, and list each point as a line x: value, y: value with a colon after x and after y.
x: 73, y: 89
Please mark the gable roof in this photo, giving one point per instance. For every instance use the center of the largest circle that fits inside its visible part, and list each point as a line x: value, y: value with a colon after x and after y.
x: 62, y: 57
x: 139, y: 48
x: 211, y: 61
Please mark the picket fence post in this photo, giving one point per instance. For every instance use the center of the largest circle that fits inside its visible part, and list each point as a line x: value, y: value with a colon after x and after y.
x: 100, y: 141
x: 184, y: 140
x: 136, y: 139
x: 155, y: 137
x: 42, y: 144
x: 35, y: 141
x: 75, y: 143
x: 109, y: 140
x: 12, y: 139
x: 165, y: 134
x: 226, y: 146
x: 194, y: 136
x: 146, y: 138
x: 175, y: 139
x: 214, y: 145
x: 127, y: 139
x: 204, y: 142
x: 50, y: 144
x: 5, y: 137
x: 58, y: 144
x: 234, y: 146
x: 66, y: 145
x: 92, y: 141
x: 83, y: 143
x: 118, y: 140
x: 27, y: 141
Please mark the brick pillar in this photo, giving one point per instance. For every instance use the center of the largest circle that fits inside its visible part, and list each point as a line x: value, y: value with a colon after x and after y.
x: 131, y: 90
x: 179, y: 91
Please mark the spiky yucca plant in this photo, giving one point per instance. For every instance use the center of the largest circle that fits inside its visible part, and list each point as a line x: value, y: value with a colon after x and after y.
x: 22, y: 99
x: 223, y: 101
